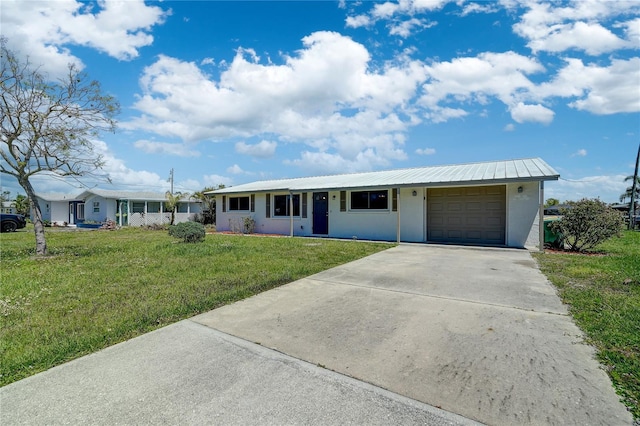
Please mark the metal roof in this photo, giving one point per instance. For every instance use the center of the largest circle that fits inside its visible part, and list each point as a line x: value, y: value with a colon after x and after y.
x: 527, y: 169
x: 113, y: 194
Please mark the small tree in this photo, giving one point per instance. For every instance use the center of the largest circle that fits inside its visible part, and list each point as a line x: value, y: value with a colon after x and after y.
x: 587, y: 223
x: 22, y: 205
x: 48, y: 127
x: 551, y: 202
x: 208, y: 204
x: 171, y: 204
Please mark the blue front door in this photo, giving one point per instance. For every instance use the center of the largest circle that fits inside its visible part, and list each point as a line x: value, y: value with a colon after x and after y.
x: 321, y: 213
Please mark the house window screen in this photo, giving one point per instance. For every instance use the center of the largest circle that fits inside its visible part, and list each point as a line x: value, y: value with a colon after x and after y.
x: 281, y: 205
x: 153, y: 207
x: 370, y: 200
x: 239, y: 203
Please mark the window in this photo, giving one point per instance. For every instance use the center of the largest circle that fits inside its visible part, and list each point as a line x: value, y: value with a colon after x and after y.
x: 239, y: 203
x: 137, y: 207
x: 369, y: 200
x: 281, y: 205
x: 80, y: 211
x: 96, y: 206
x: 153, y: 207
x: 183, y: 207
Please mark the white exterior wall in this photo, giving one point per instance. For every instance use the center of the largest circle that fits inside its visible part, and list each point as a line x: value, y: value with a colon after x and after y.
x: 523, y: 215
x: 59, y: 212
x: 56, y: 212
x: 108, y: 209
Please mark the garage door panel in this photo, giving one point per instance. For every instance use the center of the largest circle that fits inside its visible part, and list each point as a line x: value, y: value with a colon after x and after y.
x: 475, y: 215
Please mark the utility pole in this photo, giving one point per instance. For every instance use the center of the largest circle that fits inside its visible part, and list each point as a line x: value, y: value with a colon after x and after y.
x: 171, y: 180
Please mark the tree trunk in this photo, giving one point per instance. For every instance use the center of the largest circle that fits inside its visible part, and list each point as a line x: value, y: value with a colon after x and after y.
x: 38, y: 225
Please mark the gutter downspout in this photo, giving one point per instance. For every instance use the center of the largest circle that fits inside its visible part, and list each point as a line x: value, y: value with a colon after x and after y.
x: 541, y: 218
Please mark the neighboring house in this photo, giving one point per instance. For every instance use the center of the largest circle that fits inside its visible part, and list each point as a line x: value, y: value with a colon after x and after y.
x: 123, y: 207
x: 54, y: 208
x: 8, y: 207
x: 496, y: 203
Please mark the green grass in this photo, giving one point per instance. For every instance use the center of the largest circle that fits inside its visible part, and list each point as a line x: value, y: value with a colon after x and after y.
x: 99, y: 288
x: 603, y: 294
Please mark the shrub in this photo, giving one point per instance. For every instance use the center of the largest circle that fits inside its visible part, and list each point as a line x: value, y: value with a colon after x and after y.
x: 587, y: 223
x: 190, y: 232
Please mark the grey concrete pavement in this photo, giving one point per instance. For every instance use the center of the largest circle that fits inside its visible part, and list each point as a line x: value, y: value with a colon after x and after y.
x: 191, y: 374
x: 477, y: 332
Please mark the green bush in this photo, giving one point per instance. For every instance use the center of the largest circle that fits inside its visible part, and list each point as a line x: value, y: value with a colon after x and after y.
x: 190, y: 232
x: 587, y: 223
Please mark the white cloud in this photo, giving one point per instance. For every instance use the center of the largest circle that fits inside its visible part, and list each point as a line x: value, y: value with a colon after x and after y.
x: 425, y: 151
x: 215, y: 180
x: 310, y: 98
x: 580, y: 153
x: 357, y: 21
x: 475, y: 79
x: 42, y: 29
x: 401, y: 15
x: 178, y: 150
x: 599, y: 90
x: 592, y: 38
x: 235, y: 170
x: 405, y: 28
x: 573, y: 25
x: 263, y: 149
x: 522, y: 113
x: 509, y: 127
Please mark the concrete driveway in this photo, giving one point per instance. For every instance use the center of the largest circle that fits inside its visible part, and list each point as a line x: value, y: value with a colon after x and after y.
x: 476, y: 331
x: 426, y: 334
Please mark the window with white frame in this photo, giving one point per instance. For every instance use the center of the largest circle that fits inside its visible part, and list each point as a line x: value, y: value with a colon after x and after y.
x: 137, y: 207
x: 96, y: 206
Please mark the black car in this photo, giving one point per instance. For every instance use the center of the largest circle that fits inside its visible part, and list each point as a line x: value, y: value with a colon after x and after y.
x: 11, y: 222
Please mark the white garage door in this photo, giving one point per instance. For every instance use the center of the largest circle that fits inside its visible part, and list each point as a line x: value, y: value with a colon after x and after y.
x: 467, y: 215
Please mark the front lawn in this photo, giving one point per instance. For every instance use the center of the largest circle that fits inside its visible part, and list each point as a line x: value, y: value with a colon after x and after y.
x: 98, y: 288
x: 603, y: 294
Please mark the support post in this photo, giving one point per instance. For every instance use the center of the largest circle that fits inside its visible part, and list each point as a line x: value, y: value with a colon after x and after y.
x: 541, y: 217
x: 291, y: 214
x: 398, y: 224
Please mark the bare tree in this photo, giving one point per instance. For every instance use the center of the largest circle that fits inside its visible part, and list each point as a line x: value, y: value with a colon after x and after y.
x: 48, y: 126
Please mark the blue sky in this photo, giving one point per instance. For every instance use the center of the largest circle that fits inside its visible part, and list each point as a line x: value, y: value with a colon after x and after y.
x: 229, y: 92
